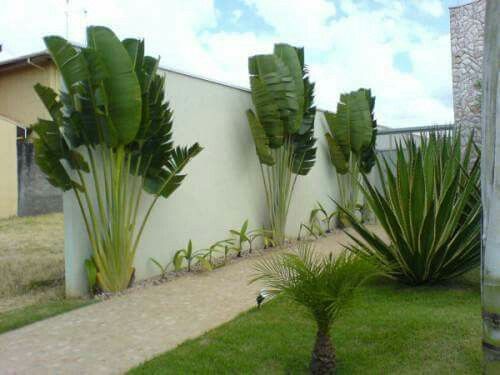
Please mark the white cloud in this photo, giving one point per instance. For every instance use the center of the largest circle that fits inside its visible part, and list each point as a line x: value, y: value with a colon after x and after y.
x: 432, y: 7
x: 344, y: 53
x: 304, y: 22
x: 236, y: 15
x: 170, y: 27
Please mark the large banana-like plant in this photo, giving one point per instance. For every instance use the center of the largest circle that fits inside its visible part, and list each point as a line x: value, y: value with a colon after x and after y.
x: 108, y: 140
x: 282, y: 126
x: 351, y: 140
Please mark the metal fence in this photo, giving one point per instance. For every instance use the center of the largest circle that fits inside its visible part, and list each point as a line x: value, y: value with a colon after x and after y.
x: 388, y: 138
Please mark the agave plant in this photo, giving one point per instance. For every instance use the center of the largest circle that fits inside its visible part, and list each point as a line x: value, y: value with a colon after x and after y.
x: 351, y: 140
x: 324, y: 286
x: 109, y: 139
x: 429, y: 205
x: 282, y: 127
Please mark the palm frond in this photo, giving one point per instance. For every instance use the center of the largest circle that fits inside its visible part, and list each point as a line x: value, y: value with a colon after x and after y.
x: 324, y: 285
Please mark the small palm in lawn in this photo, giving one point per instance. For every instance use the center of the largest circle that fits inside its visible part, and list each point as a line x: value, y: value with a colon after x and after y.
x: 323, y: 285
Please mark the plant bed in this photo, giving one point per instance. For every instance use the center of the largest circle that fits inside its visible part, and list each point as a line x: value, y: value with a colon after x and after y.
x: 388, y: 329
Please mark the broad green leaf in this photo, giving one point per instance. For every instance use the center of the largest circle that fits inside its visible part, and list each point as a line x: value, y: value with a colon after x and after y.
x: 290, y: 57
x: 122, y: 86
x: 68, y: 60
x: 260, y: 139
x: 337, y: 156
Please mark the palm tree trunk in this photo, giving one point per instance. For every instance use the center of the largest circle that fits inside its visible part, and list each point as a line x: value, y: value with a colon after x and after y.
x: 323, y: 356
x: 490, y: 181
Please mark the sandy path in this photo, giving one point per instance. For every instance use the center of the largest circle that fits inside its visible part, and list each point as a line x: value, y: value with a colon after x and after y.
x: 115, y: 335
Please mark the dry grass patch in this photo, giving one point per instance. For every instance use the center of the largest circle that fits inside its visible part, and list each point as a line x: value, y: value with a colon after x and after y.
x: 31, y: 257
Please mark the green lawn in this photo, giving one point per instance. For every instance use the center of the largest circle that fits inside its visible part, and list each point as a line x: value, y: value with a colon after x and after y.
x: 389, y: 329
x: 20, y: 317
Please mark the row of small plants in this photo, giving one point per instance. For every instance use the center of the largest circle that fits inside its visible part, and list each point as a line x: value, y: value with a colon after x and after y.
x: 243, y: 239
x: 320, y: 223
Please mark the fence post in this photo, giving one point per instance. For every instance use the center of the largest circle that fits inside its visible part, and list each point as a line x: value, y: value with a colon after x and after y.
x: 490, y: 183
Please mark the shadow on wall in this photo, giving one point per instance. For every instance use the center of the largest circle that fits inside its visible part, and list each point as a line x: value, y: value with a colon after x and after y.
x: 35, y: 195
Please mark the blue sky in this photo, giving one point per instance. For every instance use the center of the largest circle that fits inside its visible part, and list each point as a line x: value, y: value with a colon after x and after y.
x: 400, y: 49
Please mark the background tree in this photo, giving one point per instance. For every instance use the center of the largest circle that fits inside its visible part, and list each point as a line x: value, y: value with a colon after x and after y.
x: 282, y: 126
x: 109, y: 139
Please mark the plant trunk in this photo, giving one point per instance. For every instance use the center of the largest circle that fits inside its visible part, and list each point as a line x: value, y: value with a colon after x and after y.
x: 490, y: 182
x: 323, y: 356
x: 279, y: 184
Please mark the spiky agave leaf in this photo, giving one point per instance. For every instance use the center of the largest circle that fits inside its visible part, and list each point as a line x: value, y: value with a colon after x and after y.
x: 430, y: 209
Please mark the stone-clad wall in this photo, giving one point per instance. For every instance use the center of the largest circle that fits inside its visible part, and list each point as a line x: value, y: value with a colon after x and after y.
x: 467, y: 34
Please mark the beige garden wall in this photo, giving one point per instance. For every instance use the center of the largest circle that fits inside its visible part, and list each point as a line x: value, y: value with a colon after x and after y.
x: 223, y: 187
x: 8, y: 168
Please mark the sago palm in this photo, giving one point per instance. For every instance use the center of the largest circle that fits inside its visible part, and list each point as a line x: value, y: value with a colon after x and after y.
x: 282, y: 127
x: 109, y: 139
x: 323, y: 285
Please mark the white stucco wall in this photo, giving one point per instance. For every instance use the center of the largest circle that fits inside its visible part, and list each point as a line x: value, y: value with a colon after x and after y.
x: 223, y: 186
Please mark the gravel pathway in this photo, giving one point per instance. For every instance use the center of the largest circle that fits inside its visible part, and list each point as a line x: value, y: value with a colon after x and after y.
x: 112, y: 336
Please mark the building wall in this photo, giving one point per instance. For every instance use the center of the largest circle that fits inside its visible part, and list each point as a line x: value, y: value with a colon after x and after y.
x: 18, y: 100
x: 467, y: 34
x: 8, y: 168
x: 35, y: 195
x: 223, y: 187
x: 31, y: 194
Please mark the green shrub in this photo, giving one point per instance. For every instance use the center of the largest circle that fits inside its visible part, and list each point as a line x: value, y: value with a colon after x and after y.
x: 429, y: 205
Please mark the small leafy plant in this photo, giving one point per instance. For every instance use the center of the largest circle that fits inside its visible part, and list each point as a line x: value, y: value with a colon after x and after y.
x: 317, y: 219
x: 266, y: 235
x: 218, y: 247
x: 163, y: 269
x: 327, y: 217
x: 244, y: 235
x: 191, y: 257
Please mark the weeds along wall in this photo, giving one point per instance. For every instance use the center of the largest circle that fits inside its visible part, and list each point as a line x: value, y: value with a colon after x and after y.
x: 223, y: 186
